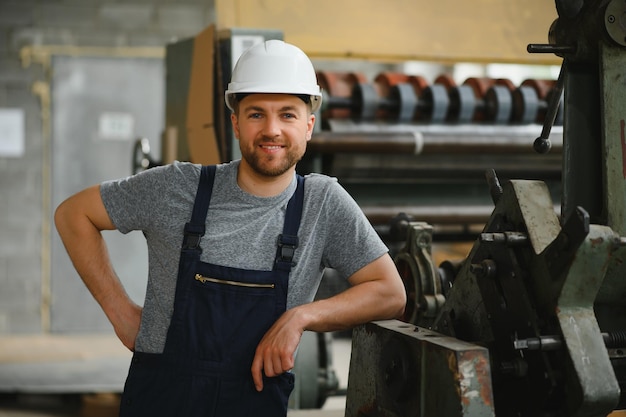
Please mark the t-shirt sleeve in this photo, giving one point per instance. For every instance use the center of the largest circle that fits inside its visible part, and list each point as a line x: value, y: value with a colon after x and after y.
x: 352, y: 241
x: 139, y: 202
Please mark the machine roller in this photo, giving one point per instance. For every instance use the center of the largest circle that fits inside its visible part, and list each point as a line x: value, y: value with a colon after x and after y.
x: 400, y: 98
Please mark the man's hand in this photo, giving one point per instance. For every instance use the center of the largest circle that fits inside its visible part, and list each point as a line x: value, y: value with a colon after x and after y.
x: 275, y: 353
x: 127, y: 325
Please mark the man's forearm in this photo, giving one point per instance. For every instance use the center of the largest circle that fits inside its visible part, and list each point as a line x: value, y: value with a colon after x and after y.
x: 377, y: 293
x: 92, y: 262
x: 87, y: 250
x: 359, y: 304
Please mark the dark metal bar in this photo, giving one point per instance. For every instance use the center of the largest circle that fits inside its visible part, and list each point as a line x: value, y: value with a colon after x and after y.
x: 367, y: 142
x: 418, y: 142
x: 540, y: 48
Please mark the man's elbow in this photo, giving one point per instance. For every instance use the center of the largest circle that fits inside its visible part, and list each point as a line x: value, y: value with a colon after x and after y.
x: 66, y: 217
x: 395, y: 298
x: 61, y: 215
x: 398, y: 303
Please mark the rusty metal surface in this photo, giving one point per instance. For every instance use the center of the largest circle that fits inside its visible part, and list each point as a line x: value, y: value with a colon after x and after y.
x: 399, y: 370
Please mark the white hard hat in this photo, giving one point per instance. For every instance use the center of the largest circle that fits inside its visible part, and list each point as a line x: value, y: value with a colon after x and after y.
x: 274, y: 67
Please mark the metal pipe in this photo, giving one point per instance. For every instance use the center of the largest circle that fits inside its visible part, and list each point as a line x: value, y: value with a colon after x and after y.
x: 366, y: 142
x: 430, y: 214
x: 452, y: 141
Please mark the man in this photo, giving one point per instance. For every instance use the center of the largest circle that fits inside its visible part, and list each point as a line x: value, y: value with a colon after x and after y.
x: 236, y: 254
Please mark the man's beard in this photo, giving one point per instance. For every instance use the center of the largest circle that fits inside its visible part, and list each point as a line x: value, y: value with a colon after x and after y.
x: 259, y: 162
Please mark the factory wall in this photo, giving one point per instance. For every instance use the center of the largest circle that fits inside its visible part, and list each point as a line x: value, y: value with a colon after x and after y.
x: 32, y: 32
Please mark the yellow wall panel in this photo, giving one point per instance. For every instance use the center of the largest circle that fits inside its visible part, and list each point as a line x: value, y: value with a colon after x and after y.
x: 392, y: 30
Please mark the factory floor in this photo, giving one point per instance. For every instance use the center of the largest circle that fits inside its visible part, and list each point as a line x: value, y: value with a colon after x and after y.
x: 106, y: 405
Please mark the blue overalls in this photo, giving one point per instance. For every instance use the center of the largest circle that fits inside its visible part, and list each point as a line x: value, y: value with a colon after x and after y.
x: 220, y: 315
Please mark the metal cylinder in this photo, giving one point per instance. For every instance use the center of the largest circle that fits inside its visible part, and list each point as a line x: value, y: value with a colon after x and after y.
x: 366, y: 142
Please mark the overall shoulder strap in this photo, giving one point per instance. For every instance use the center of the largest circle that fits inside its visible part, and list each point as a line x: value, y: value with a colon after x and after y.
x: 288, y: 240
x: 194, y: 229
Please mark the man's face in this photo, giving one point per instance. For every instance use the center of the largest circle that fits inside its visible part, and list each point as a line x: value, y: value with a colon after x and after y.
x: 272, y: 130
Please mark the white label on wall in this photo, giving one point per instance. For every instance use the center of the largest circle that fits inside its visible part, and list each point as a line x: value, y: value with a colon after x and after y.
x: 11, y: 132
x: 116, y: 126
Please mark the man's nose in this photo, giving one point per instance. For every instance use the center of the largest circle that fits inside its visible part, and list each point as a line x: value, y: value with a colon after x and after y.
x: 271, y: 128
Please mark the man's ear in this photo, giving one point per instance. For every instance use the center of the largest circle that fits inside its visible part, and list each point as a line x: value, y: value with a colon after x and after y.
x: 233, y: 121
x: 309, y: 127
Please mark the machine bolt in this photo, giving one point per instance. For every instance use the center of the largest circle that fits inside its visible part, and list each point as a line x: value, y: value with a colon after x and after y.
x: 543, y: 343
x: 486, y: 268
x: 507, y: 238
x: 611, y: 19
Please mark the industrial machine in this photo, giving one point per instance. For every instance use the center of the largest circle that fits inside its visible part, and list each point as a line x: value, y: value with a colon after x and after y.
x: 531, y: 322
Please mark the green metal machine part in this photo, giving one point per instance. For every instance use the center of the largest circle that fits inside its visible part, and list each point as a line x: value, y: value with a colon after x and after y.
x: 542, y: 295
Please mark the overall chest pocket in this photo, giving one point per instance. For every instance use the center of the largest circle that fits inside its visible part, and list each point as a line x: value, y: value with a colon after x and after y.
x: 238, y: 284
x: 232, y: 313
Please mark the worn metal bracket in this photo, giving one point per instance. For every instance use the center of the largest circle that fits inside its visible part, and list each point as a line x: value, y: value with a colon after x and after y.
x: 398, y: 369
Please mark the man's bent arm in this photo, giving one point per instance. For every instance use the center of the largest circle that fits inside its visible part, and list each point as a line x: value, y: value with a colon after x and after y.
x: 377, y: 293
x: 79, y: 221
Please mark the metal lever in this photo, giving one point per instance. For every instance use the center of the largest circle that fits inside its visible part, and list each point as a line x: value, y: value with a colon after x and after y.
x: 542, y: 143
x: 541, y: 48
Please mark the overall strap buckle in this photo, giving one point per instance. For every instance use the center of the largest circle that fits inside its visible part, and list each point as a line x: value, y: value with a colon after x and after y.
x: 287, y: 245
x: 193, y: 234
x: 288, y: 240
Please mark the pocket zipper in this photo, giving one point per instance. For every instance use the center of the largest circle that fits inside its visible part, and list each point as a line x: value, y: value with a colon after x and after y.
x: 204, y: 279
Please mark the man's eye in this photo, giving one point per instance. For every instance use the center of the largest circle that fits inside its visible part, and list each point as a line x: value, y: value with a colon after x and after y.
x: 254, y: 115
x: 289, y: 115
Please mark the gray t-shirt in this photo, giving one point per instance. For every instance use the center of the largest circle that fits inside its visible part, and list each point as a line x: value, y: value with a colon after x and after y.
x: 242, y: 231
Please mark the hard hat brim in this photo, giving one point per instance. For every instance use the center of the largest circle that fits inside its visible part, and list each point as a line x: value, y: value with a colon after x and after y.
x: 230, y: 96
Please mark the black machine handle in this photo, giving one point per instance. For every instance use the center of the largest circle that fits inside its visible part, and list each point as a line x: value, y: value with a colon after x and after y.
x: 542, y: 143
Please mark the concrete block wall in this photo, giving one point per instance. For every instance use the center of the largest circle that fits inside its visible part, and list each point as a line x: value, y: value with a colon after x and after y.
x: 25, y: 212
